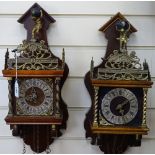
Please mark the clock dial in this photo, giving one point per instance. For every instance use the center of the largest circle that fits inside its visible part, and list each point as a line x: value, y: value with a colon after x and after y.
x: 35, y: 97
x: 119, y: 106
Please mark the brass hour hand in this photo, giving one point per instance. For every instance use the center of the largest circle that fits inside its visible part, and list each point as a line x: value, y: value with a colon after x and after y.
x: 34, y: 93
x: 120, y: 106
x: 33, y: 96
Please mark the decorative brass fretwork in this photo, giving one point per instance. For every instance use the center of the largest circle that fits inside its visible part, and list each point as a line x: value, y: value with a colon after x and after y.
x: 123, y: 66
x: 33, y: 49
x: 102, y: 120
x: 34, y: 56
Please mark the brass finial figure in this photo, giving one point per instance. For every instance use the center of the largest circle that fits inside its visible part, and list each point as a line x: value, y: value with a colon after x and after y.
x: 123, y: 27
x: 37, y: 18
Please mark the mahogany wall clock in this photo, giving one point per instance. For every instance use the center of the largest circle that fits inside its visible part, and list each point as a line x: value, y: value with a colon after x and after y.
x: 118, y: 89
x: 37, y: 111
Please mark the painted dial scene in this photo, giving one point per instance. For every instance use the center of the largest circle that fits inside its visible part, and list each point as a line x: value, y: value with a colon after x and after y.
x: 35, y: 97
x: 119, y: 106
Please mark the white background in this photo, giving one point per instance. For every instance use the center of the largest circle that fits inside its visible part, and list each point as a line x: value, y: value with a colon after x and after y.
x: 76, y: 29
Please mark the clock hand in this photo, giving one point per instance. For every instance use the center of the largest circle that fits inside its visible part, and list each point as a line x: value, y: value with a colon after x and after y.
x: 34, y: 93
x: 120, y: 106
x: 121, y: 111
x: 33, y: 96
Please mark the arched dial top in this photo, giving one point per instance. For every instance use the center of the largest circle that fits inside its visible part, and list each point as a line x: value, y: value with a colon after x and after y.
x: 119, y: 106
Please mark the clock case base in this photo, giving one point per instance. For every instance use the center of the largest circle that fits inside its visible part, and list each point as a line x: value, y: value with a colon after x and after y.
x: 120, y: 130
x: 14, y: 120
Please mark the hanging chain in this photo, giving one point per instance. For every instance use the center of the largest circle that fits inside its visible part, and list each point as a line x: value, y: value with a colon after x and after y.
x: 48, y: 150
x: 24, y: 148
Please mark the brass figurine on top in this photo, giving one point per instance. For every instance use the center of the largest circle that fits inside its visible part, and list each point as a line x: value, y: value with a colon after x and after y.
x: 37, y: 17
x: 123, y: 27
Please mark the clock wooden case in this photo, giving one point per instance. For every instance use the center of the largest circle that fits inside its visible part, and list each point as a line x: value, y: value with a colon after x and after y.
x: 37, y: 111
x: 118, y: 89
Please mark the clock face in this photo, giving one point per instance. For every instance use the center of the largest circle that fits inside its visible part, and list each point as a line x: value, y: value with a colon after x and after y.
x: 119, y: 106
x: 35, y: 97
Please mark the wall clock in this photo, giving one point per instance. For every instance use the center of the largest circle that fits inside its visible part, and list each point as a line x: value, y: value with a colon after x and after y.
x: 37, y: 111
x: 118, y: 89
